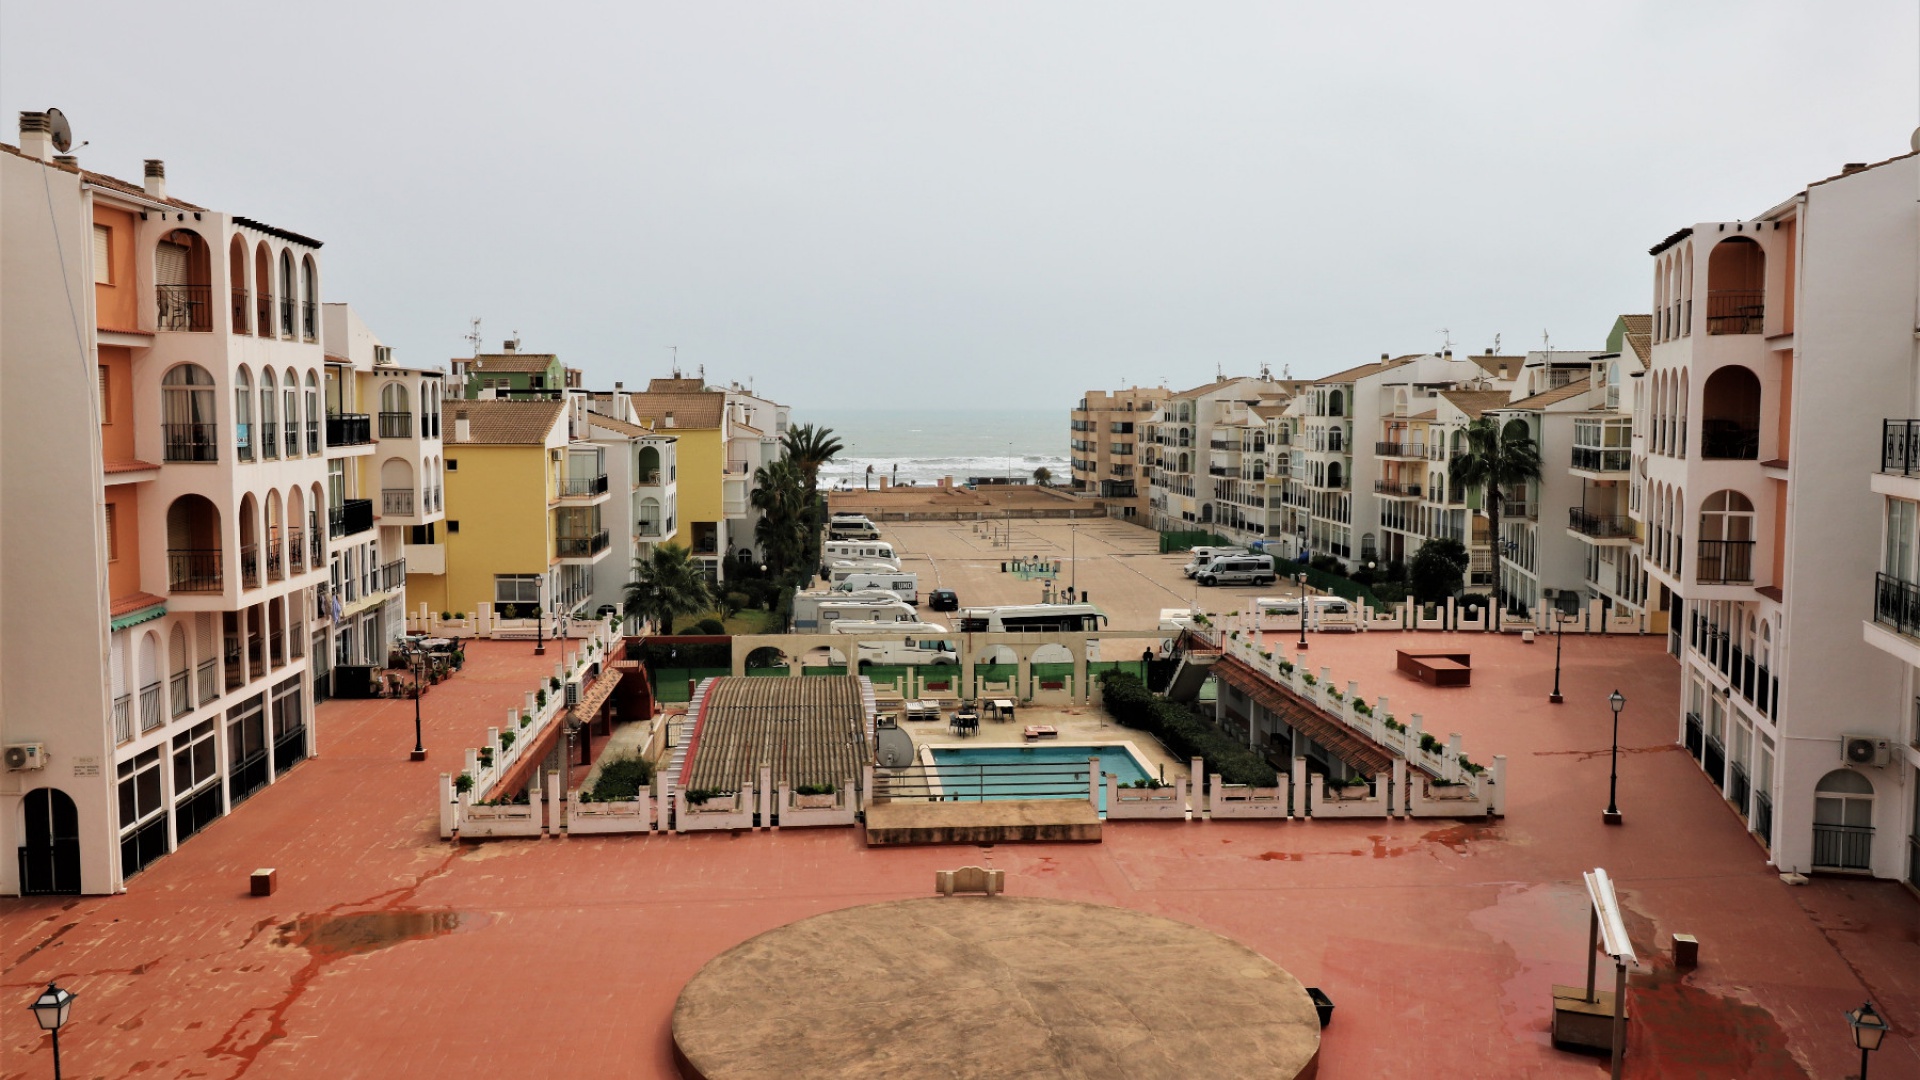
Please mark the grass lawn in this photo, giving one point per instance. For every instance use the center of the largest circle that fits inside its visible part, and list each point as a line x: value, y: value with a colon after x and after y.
x: 748, y: 621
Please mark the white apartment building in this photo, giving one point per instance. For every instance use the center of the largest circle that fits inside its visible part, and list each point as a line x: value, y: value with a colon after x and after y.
x: 1768, y: 508
x: 643, y: 471
x: 174, y: 555
x: 1203, y: 449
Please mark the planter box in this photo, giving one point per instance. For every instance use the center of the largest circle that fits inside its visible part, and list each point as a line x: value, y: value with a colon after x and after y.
x: 479, y: 821
x: 1346, y: 802
x: 1241, y: 801
x: 600, y: 818
x: 1451, y: 801
x: 817, y: 802
x: 1162, y: 803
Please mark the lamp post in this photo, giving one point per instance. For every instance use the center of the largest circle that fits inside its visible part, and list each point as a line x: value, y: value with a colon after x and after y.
x: 1612, y: 816
x: 1559, y: 627
x: 1869, y: 1028
x: 419, y: 747
x: 1302, y: 579
x: 50, y: 1009
x: 539, y: 630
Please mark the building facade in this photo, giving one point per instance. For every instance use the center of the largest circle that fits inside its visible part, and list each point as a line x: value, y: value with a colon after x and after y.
x: 1106, y: 437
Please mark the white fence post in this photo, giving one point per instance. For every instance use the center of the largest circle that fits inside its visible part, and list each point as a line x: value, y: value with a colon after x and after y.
x: 766, y: 795
x: 449, y: 815
x: 1497, y: 801
x: 1196, y: 770
x: 1397, y: 801
x: 1298, y: 787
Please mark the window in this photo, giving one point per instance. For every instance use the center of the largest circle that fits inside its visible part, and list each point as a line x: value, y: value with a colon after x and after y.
x: 453, y: 464
x: 1900, y: 530
x: 140, y: 788
x: 102, y: 255
x: 113, y: 535
x: 453, y: 526
x: 516, y: 588
x: 194, y: 765
x: 106, y: 398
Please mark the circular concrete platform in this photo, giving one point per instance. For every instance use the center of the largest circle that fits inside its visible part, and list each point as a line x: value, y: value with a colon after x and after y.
x: 992, y: 987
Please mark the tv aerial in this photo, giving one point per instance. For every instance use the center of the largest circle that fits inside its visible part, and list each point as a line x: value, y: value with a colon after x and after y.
x: 61, y: 130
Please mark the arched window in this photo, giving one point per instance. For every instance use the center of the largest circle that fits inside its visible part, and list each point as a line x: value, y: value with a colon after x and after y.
x: 243, y: 414
x: 309, y: 299
x: 193, y: 545
x: 1333, y: 474
x: 313, y: 413
x: 263, y: 290
x: 648, y: 524
x: 1736, y: 287
x: 1730, y: 415
x: 649, y: 469
x: 249, y: 542
x: 182, y: 282
x: 269, y: 428
x: 288, y: 290
x: 276, y: 567
x: 396, y: 487
x: 1336, y: 404
x: 296, y: 530
x: 1726, y: 539
x: 291, y: 414
x: 1843, y: 821
x: 1335, y: 441
x: 237, y: 275
x: 396, y: 416
x: 187, y: 423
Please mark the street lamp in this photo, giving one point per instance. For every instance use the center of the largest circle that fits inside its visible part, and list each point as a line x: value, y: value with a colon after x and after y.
x: 1559, y: 628
x: 1612, y: 816
x: 418, y: 651
x: 1302, y: 579
x: 539, y: 630
x: 1869, y: 1028
x: 50, y: 1009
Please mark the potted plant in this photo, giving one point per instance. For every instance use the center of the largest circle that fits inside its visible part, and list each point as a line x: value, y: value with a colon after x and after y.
x: 553, y: 683
x: 486, y: 757
x: 1353, y: 787
x: 506, y: 740
x: 816, y: 797
x: 463, y: 783
x: 540, y: 698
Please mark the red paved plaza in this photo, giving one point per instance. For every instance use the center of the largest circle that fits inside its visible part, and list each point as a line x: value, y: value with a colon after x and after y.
x: 388, y: 952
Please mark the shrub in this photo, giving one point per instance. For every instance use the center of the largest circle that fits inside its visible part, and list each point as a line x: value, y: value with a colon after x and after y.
x: 621, y: 779
x: 698, y: 796
x: 1187, y: 735
x: 734, y: 602
x: 815, y: 789
x: 1362, y: 707
x: 540, y: 698
x: 526, y: 719
x: 486, y: 756
x: 710, y: 627
x: 1428, y: 742
x: 1472, y: 769
x: 446, y: 616
x: 553, y: 682
x: 506, y: 740
x: 463, y: 783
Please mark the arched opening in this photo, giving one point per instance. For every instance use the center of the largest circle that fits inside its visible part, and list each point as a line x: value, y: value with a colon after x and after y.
x: 649, y: 465
x: 1736, y: 287
x: 237, y: 281
x: 1206, y: 512
x: 193, y: 545
x: 396, y: 414
x: 1730, y: 415
x: 269, y: 411
x: 290, y: 415
x: 49, y: 843
x: 249, y: 543
x: 179, y: 664
x: 183, y: 282
x: 147, y: 677
x: 277, y: 633
x: 1259, y: 442
x: 186, y: 414
x: 296, y: 533
x: 1336, y: 403
x: 309, y: 299
x: 276, y: 569
x: 263, y: 290
x: 765, y: 657
x: 1336, y: 441
x: 243, y: 414
x: 396, y: 487
x: 649, y: 518
x: 1726, y: 539
x: 1186, y: 437
x: 289, y: 288
x: 1334, y: 475
x: 1186, y: 463
x: 316, y: 536
x: 313, y: 414
x: 1843, y: 821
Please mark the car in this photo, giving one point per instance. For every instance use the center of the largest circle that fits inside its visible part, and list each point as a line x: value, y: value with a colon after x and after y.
x: 943, y: 600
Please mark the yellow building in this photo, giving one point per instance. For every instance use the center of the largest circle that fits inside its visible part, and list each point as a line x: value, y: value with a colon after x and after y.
x: 696, y: 417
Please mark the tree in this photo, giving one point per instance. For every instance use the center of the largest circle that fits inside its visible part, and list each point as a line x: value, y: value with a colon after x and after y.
x: 665, y: 584
x: 1439, y: 569
x: 1497, y: 459
x: 1043, y: 476
x: 809, y: 448
x: 784, y: 526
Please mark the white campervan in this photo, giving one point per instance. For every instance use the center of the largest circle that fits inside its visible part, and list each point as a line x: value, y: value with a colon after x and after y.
x: 1204, y: 555
x: 903, y: 584
x: 882, y: 566
x: 911, y: 649
x: 1237, y: 570
x: 860, y: 549
x: 1329, y: 612
x: 851, y: 527
x: 813, y: 613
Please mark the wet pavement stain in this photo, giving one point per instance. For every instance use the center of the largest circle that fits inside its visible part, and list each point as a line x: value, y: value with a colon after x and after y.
x: 329, y: 937
x: 1682, y: 1030
x: 1455, y: 838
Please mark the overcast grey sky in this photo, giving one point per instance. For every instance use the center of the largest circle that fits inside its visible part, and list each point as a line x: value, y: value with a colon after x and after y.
x: 976, y: 203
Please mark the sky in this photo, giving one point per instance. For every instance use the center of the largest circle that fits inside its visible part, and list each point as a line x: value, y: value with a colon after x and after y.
x: 976, y: 204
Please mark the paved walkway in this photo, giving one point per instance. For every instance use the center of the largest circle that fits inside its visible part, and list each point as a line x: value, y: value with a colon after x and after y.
x: 390, y: 953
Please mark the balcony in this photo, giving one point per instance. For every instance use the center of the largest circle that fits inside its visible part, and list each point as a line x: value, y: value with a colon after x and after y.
x: 397, y: 501
x: 1900, y: 447
x: 240, y: 306
x: 293, y: 438
x: 313, y: 436
x: 581, y: 487
x: 269, y: 439
x: 150, y: 716
x: 1396, y: 489
x: 193, y: 570
x: 1602, y: 460
x: 349, y: 429
x: 1736, y: 311
x: 1729, y: 442
x: 389, y: 576
x: 190, y: 442
x: 648, y: 528
x: 1896, y: 604
x: 249, y: 566
x: 1400, y: 449
x: 263, y: 315
x: 396, y: 425
x: 581, y: 547
x: 286, y: 317
x: 187, y: 308
x: 1599, y: 526
x: 1842, y: 847
x: 350, y: 517
x: 1724, y: 562
x: 309, y: 320
x: 123, y: 718
x: 297, y: 550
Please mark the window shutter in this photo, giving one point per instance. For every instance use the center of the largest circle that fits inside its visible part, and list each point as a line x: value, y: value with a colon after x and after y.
x: 106, y: 399
x: 113, y: 535
x: 102, y: 255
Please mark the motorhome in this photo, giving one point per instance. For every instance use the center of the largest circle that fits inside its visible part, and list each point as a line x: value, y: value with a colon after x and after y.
x: 913, y: 648
x: 1204, y: 555
x: 1237, y: 570
x: 860, y: 549
x: 851, y: 527
x: 814, y: 612
x: 880, y: 566
x: 1329, y: 613
x: 1033, y: 619
x: 903, y: 584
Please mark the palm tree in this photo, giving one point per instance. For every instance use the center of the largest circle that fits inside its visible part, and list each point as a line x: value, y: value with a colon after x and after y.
x: 1043, y: 476
x: 809, y: 448
x: 665, y: 584
x: 779, y: 494
x: 1497, y: 458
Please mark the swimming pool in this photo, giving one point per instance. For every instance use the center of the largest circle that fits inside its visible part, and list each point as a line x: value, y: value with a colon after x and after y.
x: 1053, y: 771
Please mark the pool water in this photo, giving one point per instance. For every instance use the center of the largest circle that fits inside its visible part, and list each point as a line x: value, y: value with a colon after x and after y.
x: 1053, y: 772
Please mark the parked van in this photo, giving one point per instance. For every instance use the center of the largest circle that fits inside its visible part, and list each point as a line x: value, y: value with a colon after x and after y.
x: 1237, y: 570
x: 1204, y: 555
x: 851, y: 527
x: 883, y: 566
x: 912, y: 649
x: 1329, y: 612
x: 860, y: 549
x: 814, y: 612
x: 903, y: 584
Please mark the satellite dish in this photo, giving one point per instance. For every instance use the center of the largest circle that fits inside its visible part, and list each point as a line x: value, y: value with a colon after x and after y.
x: 62, y: 131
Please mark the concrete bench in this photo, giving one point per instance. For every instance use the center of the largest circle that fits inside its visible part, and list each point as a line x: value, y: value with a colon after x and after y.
x: 1438, y: 669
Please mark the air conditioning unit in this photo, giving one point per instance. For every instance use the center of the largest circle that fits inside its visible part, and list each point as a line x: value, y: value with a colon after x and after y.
x: 1858, y: 750
x: 573, y: 693
x: 26, y: 756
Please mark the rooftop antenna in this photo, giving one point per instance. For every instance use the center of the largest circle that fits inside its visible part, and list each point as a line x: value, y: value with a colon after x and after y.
x: 675, y: 349
x: 1496, y: 344
x: 473, y: 334
x: 1446, y: 341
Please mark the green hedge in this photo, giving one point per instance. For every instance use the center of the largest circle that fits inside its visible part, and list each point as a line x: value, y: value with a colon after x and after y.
x: 1132, y: 704
x: 1188, y: 540
x: 1329, y: 583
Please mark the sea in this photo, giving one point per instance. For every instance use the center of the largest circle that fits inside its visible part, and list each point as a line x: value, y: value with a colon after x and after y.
x: 923, y: 445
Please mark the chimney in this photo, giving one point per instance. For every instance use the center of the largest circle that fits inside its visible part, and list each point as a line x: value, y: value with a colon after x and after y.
x: 1383, y: 357
x: 156, y: 178
x: 509, y: 345
x: 36, y: 136
x: 67, y: 160
x: 1845, y: 170
x: 462, y: 430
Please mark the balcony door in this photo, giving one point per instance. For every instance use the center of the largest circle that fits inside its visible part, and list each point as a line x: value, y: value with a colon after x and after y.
x: 50, y: 851
x: 1843, y: 821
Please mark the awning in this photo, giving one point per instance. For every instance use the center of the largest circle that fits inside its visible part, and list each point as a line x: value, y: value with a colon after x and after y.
x: 1359, y: 752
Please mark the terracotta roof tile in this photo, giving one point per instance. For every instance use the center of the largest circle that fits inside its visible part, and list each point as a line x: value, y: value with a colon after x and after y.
x: 508, y: 423
x: 1553, y: 396
x: 676, y: 386
x: 1475, y: 402
x: 132, y: 602
x: 105, y: 181
x: 132, y: 465
x: 511, y: 363
x: 618, y: 427
x: 699, y: 409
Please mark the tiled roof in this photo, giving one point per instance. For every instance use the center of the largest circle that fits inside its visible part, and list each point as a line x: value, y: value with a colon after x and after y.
x: 131, y: 465
x: 1639, y: 336
x: 123, y: 605
x: 1475, y: 402
x: 1496, y: 365
x: 1356, y: 373
x: 746, y: 429
x: 1864, y: 167
x: 512, y: 363
x: 700, y: 409
x: 1553, y: 396
x: 508, y: 423
x: 618, y: 427
x: 105, y: 181
x: 675, y: 386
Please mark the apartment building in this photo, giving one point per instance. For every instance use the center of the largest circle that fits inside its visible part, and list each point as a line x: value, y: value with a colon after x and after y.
x: 1183, y: 462
x: 178, y: 547
x: 385, y: 492
x: 754, y: 432
x: 512, y: 373
x: 643, y: 475
x: 1105, y: 432
x: 1769, y: 507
